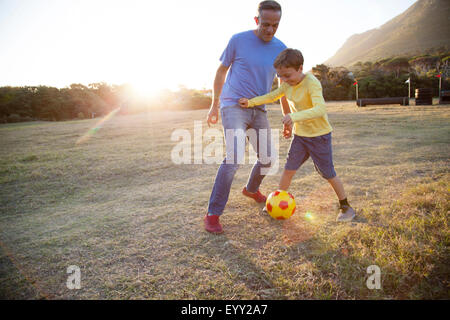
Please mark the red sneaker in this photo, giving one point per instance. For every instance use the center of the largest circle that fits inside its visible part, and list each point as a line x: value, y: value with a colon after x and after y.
x: 258, y: 196
x: 212, y: 224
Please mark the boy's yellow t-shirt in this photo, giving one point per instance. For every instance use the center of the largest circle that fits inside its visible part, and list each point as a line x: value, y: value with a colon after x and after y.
x: 307, y: 105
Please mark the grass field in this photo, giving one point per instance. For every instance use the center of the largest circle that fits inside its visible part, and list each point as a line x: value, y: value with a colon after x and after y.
x: 117, y: 207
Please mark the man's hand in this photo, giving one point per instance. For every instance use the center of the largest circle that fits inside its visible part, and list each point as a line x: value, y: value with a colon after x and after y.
x: 287, y: 120
x: 287, y: 131
x: 213, y: 115
x: 243, y: 102
x: 219, y: 80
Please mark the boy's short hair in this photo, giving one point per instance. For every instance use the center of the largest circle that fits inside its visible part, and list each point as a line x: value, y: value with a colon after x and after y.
x: 289, y: 58
x: 269, y: 5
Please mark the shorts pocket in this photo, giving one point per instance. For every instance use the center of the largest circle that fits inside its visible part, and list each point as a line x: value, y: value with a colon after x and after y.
x: 325, y: 138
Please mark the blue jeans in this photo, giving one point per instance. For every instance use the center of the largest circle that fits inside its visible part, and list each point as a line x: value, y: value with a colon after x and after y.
x: 236, y: 123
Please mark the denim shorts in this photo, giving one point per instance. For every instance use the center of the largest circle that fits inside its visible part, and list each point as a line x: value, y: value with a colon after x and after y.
x: 320, y: 150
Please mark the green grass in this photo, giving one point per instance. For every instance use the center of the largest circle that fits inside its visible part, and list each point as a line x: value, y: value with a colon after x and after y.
x: 117, y: 207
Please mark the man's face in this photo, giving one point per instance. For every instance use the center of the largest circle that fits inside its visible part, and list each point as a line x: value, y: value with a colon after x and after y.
x: 267, y: 24
x: 289, y: 75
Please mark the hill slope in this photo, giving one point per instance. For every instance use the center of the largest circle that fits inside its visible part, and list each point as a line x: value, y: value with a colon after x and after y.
x: 424, y: 26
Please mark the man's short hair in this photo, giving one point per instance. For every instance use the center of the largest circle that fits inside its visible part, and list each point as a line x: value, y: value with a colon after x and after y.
x: 268, y: 5
x: 289, y: 58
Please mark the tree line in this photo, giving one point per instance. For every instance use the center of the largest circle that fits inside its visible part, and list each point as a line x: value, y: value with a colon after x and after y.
x: 383, y: 78
x: 78, y: 101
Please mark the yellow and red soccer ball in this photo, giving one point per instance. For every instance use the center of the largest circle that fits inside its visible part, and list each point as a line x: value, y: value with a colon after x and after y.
x: 280, y: 205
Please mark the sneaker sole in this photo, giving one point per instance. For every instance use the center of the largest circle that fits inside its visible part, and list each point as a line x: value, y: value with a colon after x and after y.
x: 346, y: 219
x: 250, y: 197
x: 214, y: 232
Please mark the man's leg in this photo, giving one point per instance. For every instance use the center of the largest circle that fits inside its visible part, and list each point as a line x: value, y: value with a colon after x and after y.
x: 234, y: 120
x: 261, y: 142
x: 222, y: 187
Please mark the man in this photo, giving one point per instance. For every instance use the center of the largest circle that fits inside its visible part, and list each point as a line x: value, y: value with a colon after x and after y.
x: 248, y: 60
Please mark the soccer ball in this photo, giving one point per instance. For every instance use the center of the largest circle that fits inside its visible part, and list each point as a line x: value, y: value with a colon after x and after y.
x: 280, y: 205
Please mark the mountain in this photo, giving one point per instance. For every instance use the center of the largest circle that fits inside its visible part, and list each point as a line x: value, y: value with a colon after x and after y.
x: 422, y: 28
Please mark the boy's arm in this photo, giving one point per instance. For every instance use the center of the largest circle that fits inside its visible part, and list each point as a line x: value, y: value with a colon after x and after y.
x: 267, y: 98
x: 285, y: 109
x: 319, y: 108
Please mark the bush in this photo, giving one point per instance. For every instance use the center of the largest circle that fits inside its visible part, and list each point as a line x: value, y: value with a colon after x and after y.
x: 14, y: 118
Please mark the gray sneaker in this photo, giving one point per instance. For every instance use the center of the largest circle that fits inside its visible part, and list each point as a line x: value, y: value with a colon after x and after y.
x: 346, y: 214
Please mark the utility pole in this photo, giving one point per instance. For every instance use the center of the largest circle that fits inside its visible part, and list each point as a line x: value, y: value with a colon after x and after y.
x: 440, y: 85
x: 409, y: 87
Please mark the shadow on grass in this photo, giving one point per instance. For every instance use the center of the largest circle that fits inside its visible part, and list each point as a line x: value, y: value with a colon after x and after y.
x: 243, y: 269
x: 14, y: 282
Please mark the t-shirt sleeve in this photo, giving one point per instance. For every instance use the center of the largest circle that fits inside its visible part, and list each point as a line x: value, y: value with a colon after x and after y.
x: 268, y: 98
x: 319, y: 107
x: 229, y: 53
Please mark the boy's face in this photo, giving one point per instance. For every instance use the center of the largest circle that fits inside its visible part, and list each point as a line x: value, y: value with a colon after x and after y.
x: 289, y: 75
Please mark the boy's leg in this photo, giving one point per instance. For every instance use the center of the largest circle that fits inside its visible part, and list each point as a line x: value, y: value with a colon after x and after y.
x: 346, y: 212
x: 320, y: 149
x: 338, y: 187
x: 297, y: 155
x: 286, y: 178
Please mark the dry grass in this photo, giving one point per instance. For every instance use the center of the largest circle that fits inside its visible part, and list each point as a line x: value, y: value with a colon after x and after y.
x: 119, y: 209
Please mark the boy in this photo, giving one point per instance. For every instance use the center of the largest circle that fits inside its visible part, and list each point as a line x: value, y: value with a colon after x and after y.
x: 312, y: 131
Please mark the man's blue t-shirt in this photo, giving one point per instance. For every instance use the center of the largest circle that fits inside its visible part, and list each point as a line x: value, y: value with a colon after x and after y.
x: 252, y: 72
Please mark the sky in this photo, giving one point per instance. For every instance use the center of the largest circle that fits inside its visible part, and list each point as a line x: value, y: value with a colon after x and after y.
x: 161, y: 44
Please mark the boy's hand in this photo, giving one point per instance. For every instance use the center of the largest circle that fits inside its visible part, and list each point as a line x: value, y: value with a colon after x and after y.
x: 287, y: 131
x: 243, y: 102
x: 287, y: 121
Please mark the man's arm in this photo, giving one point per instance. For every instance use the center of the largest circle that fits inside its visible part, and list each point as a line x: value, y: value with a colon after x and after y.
x: 219, y: 80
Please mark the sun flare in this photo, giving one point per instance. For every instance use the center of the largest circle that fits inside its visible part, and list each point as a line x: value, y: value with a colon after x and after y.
x: 144, y: 89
